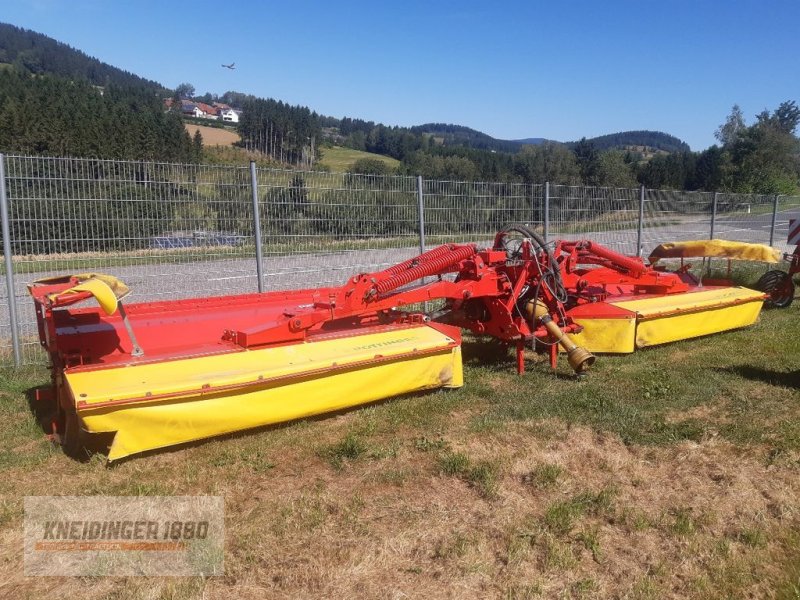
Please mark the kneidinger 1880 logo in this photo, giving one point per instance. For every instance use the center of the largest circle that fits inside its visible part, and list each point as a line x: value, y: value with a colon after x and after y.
x: 120, y: 535
x: 124, y: 535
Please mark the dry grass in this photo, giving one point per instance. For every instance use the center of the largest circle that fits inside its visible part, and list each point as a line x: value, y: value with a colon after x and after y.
x: 213, y: 136
x: 509, y: 488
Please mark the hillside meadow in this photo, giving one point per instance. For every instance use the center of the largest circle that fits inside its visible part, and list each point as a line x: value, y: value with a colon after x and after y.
x: 340, y: 160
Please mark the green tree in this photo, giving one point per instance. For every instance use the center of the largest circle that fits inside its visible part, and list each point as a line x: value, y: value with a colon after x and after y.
x: 669, y: 171
x: 550, y: 161
x: 298, y: 192
x: 185, y: 90
x: 784, y: 119
x: 356, y: 140
x: 588, y: 162
x: 448, y: 167
x: 728, y: 133
x: 287, y: 208
x: 764, y: 158
x: 370, y: 166
x: 711, y: 170
x: 614, y: 171
x: 197, y: 146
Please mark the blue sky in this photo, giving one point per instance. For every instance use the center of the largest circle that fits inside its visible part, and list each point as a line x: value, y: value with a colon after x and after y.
x: 559, y: 70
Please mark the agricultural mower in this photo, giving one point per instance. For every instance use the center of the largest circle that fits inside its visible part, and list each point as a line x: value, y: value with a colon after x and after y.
x: 163, y: 373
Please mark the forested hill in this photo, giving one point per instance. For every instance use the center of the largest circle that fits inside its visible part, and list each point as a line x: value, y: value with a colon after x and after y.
x: 626, y: 139
x: 38, y: 54
x: 56, y: 100
x: 458, y: 135
x: 57, y: 116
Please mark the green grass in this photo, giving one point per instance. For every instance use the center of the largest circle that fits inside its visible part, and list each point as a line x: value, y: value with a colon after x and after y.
x: 348, y: 449
x: 543, y: 476
x: 684, y: 523
x: 759, y: 208
x: 752, y: 536
x: 561, y: 516
x: 590, y: 538
x: 634, y: 396
x: 339, y: 159
x: 482, y: 474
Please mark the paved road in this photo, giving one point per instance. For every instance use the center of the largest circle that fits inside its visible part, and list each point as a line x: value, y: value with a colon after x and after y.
x: 238, y: 275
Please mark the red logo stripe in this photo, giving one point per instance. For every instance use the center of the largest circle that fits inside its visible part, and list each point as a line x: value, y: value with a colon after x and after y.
x: 794, y: 231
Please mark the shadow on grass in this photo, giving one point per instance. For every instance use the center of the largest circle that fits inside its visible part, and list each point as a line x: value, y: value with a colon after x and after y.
x: 42, y: 407
x: 100, y: 443
x: 488, y: 353
x: 498, y: 357
x: 789, y: 379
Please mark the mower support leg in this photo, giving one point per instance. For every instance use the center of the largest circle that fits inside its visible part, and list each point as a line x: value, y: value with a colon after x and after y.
x: 520, y: 357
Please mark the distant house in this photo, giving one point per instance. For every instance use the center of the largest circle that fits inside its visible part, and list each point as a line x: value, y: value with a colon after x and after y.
x: 229, y: 115
x: 187, y: 107
x: 209, y: 112
x: 201, y: 110
x: 190, y: 108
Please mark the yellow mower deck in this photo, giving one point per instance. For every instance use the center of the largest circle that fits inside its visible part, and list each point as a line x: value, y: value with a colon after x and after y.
x: 158, y: 404
x: 162, y: 373
x: 639, y: 322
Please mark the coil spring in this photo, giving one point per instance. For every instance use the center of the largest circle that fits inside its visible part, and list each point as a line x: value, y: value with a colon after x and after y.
x: 404, y: 266
x: 427, y: 265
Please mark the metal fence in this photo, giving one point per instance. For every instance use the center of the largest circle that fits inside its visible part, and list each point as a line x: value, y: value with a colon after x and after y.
x: 177, y: 231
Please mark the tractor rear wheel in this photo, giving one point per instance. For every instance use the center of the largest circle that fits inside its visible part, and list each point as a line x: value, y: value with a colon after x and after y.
x: 779, y: 286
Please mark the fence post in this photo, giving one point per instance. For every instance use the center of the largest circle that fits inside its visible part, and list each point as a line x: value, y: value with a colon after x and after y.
x: 546, y: 218
x: 12, y: 296
x: 421, y: 213
x: 774, y: 218
x: 713, y: 215
x: 257, y: 227
x: 641, y: 222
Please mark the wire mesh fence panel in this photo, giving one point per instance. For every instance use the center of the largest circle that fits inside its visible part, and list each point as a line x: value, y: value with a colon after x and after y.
x: 671, y: 216
x: 457, y: 211
x: 320, y: 228
x: 745, y: 218
x: 609, y: 216
x: 788, y: 210
x: 176, y: 231
x: 167, y: 230
x: 6, y: 348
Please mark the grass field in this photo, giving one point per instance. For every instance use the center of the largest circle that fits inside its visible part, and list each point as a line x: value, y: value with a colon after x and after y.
x: 670, y: 473
x: 339, y: 159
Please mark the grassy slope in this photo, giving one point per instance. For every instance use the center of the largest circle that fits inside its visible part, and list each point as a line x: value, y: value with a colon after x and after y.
x: 339, y: 159
x: 673, y: 472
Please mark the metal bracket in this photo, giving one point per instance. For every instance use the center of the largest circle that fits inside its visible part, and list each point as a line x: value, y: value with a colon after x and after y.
x: 137, y: 349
